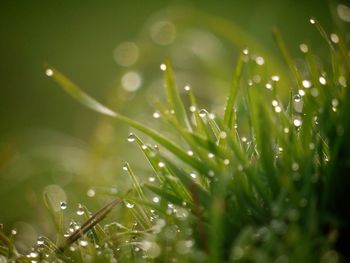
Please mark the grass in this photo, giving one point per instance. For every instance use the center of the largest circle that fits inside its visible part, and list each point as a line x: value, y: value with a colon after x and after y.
x: 264, y: 181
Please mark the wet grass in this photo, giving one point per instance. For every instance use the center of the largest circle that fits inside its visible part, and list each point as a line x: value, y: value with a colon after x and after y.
x: 263, y: 181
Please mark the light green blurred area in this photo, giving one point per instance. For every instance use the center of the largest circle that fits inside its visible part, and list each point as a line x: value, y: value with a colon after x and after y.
x: 46, y: 138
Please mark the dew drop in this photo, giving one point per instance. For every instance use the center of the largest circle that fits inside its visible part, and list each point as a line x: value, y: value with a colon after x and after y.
x: 151, y: 179
x: 210, y: 155
x: 187, y: 88
x: 322, y: 80
x: 342, y: 81
x: 125, y: 167
x: 161, y: 164
x: 312, y: 20
x: 268, y: 85
x: 156, y: 114
x: 129, y: 205
x: 295, y: 166
x: 40, y: 241
x: 13, y: 232
x: 155, y: 199
x: 306, y: 84
x: 245, y: 51
x: 211, y: 173
x: 226, y: 162
x: 301, y: 93
x: 278, y: 109
x: 223, y: 135
x: 91, y: 192
x: 192, y: 108
x: 335, y: 102
x: 202, y: 113
x: 297, y: 122
x: 144, y: 147
x: 193, y: 175
x: 275, y: 78
x: 131, y: 137
x: 49, y: 72
x: 80, y: 210
x: 304, y: 48
x: 297, y: 98
x: 63, y: 205
x: 244, y: 139
x: 190, y: 153
x: 274, y: 103
x: 162, y: 67
x: 286, y: 130
x: 259, y: 60
x: 83, y: 243
x: 334, y: 37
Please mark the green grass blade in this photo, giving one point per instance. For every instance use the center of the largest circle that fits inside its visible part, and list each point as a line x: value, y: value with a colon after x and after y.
x: 174, y: 99
x: 229, y: 119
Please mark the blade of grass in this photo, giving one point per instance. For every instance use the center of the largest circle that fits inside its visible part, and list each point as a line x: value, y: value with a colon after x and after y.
x: 229, y: 118
x: 91, y: 103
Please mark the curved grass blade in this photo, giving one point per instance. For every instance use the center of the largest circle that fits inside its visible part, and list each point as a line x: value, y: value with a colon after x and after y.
x: 91, y: 103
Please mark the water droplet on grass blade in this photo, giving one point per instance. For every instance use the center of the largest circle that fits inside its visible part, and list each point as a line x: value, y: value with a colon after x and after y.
x: 297, y: 98
x: 312, y: 20
x: 83, y: 243
x: 161, y: 164
x: 63, y: 205
x: 162, y: 67
x: 192, y: 108
x: 322, y: 80
x: 80, y: 210
x: 306, y: 84
x: 49, y: 72
x: 304, y: 48
x: 193, y: 175
x: 91, y: 192
x: 202, y: 113
x: 156, y: 114
x: 297, y: 122
x: 131, y: 137
x: 259, y: 60
x: 129, y: 205
x: 40, y: 241
x: 274, y: 103
x: 268, y: 85
x: 334, y: 37
x: 275, y: 78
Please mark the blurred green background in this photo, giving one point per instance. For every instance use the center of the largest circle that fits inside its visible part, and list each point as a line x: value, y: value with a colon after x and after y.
x: 48, y: 142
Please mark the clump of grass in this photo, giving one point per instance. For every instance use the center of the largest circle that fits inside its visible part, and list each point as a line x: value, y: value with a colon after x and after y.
x: 267, y: 187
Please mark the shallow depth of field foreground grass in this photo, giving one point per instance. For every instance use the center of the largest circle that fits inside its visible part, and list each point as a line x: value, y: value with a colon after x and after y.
x: 266, y: 180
